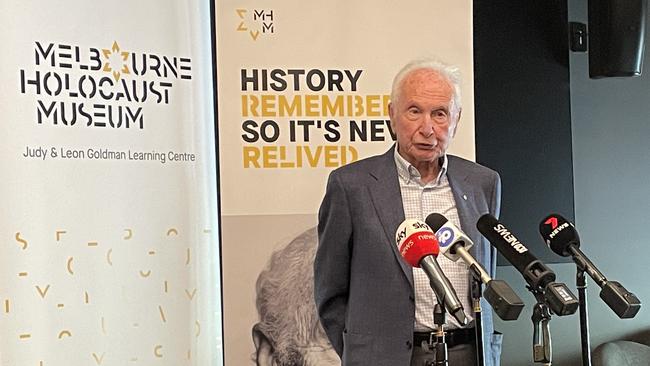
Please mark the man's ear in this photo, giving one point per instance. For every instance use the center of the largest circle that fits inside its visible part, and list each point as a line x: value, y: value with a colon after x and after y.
x: 453, y: 133
x: 391, y: 113
x: 264, y: 347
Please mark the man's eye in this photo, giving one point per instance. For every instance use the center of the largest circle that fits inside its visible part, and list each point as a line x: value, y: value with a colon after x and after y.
x: 413, y: 111
x: 439, y: 114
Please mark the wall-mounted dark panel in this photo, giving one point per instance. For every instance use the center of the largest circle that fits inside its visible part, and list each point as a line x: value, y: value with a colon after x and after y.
x: 616, y: 37
x: 523, y: 111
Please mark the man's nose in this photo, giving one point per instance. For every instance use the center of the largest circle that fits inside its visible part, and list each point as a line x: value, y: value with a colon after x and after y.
x: 426, y: 127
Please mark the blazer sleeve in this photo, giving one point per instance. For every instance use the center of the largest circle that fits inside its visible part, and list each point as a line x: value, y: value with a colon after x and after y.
x: 495, y: 210
x: 332, y: 261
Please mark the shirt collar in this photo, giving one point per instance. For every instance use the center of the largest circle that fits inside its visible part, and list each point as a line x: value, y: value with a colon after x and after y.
x: 407, y: 172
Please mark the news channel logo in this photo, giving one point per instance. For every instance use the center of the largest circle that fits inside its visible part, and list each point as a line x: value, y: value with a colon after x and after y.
x: 445, y: 236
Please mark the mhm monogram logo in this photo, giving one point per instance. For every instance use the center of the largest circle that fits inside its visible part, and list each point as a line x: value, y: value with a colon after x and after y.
x: 261, y: 23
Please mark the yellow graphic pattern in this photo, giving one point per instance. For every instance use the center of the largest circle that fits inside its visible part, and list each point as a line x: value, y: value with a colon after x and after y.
x: 69, y: 265
x: 64, y: 295
x: 22, y: 241
x: 59, y: 234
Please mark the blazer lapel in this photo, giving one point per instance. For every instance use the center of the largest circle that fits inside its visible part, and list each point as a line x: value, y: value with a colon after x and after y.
x: 387, y: 200
x: 464, y: 195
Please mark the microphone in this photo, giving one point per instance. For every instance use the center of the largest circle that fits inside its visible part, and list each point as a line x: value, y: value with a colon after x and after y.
x: 562, y: 237
x: 454, y: 244
x: 419, y: 247
x: 539, y: 277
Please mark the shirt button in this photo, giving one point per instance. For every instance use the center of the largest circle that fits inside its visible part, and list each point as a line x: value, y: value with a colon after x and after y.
x: 409, y: 344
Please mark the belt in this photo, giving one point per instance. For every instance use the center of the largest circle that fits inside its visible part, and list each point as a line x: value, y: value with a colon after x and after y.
x: 453, y: 337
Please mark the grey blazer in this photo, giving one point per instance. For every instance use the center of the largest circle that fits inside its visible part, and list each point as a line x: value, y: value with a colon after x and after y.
x: 362, y: 286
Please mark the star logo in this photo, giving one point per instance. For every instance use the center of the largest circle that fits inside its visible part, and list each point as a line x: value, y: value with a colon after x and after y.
x: 242, y: 27
x: 114, y: 58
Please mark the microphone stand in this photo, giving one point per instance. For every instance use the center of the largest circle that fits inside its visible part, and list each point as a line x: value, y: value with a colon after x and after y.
x: 477, y: 291
x: 441, y: 345
x: 542, y: 350
x: 581, y: 284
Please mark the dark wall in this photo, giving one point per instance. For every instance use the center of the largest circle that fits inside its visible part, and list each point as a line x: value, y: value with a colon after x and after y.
x: 610, y: 149
x: 523, y: 112
x: 611, y: 167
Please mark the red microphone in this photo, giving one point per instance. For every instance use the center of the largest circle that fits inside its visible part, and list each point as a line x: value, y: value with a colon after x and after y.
x: 419, y: 248
x: 415, y: 241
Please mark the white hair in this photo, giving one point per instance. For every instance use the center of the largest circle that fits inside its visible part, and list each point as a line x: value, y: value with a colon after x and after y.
x: 285, y: 300
x: 449, y: 72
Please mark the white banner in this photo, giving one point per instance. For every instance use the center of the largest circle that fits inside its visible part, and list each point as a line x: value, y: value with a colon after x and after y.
x: 109, y: 214
x: 303, y: 89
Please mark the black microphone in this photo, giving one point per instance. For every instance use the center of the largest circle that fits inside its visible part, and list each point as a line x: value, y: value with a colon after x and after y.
x: 539, y: 277
x: 562, y: 237
x: 419, y: 247
x: 454, y: 244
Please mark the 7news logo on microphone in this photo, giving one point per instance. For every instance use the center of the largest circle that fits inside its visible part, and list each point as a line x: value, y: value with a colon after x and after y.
x: 445, y: 236
x: 552, y: 221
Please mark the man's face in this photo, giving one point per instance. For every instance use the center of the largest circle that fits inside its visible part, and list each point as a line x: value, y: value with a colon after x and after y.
x: 422, y: 117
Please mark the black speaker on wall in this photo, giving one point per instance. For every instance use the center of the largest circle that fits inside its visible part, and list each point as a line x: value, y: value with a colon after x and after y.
x: 616, y: 37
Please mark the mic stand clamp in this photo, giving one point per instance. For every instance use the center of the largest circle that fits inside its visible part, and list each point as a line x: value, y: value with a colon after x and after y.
x: 477, y: 292
x: 542, y: 350
x: 440, y: 344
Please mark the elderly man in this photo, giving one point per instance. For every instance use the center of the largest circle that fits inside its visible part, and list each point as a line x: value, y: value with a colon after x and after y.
x: 289, y: 333
x: 375, y: 309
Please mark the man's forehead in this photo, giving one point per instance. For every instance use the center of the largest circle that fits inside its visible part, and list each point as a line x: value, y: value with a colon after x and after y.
x: 426, y: 77
x: 426, y: 85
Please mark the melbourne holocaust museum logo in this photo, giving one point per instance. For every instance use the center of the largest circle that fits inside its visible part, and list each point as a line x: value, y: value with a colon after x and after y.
x: 99, y: 87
